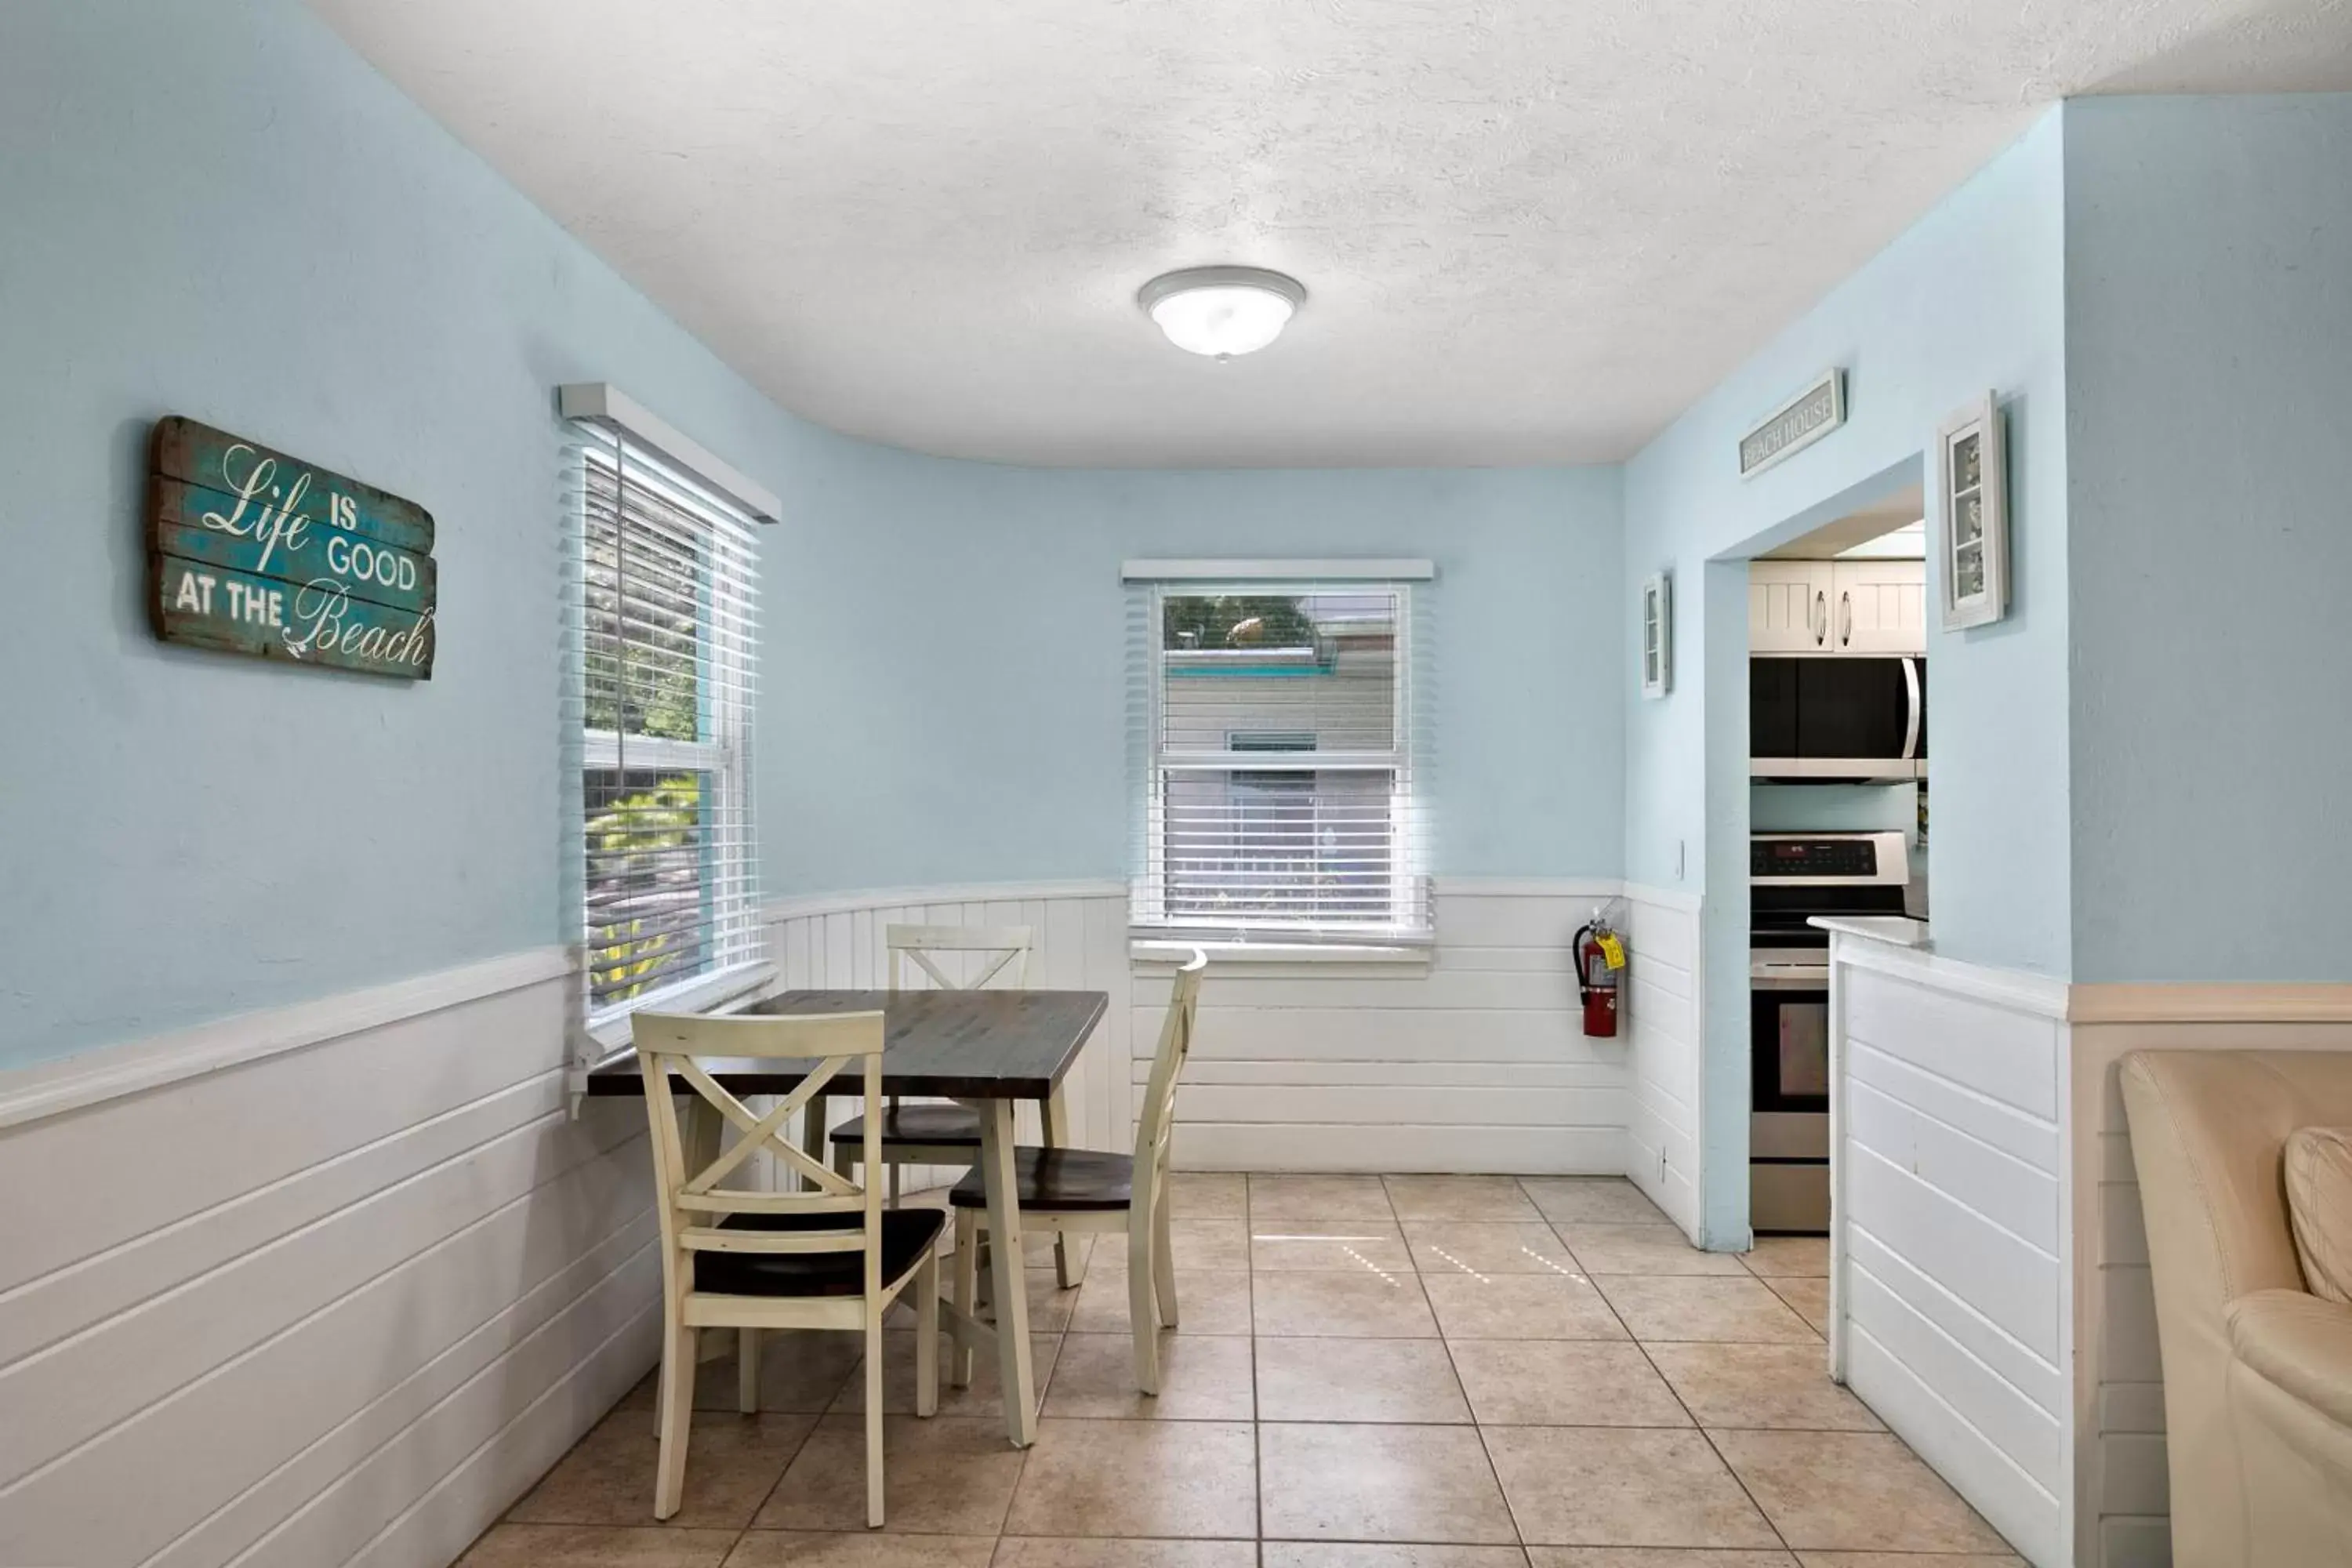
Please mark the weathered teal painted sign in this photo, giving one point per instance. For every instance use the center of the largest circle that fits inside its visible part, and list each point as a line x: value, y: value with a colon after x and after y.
x: 253, y: 552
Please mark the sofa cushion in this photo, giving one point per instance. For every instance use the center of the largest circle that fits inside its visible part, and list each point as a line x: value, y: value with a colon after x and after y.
x: 2302, y: 1344
x: 2318, y: 1162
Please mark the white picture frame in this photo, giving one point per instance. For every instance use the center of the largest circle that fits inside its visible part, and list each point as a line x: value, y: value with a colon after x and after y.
x: 1967, y: 486
x: 1656, y: 619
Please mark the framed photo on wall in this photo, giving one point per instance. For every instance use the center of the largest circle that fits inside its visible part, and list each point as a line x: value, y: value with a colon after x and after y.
x: 1970, y: 491
x: 1658, y: 635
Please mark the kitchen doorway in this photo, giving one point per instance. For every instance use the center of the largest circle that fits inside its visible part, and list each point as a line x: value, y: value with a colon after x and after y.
x: 1817, y: 741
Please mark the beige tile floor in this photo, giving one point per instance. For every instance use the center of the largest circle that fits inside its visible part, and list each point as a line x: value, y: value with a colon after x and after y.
x: 1401, y: 1372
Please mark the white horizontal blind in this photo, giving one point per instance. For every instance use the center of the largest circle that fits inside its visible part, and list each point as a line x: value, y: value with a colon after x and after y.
x: 1279, y: 747
x: 665, y: 680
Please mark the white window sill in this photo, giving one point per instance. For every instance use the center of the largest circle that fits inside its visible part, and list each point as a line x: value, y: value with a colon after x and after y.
x: 703, y: 994
x: 1156, y: 954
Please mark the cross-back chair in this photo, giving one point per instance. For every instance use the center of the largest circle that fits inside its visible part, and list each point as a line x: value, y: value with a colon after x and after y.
x: 830, y: 1257
x: 1082, y: 1190
x: 935, y: 1134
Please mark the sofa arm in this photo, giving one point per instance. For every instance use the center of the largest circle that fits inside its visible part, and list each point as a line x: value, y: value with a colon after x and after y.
x: 2300, y: 1342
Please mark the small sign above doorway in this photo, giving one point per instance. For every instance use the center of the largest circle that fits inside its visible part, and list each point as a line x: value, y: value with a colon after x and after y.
x: 1796, y: 424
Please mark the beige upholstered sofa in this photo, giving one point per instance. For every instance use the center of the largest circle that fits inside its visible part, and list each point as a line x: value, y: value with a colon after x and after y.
x: 2257, y: 1371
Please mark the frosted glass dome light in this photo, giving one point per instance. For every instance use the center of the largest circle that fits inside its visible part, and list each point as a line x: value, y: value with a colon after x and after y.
x: 1222, y: 310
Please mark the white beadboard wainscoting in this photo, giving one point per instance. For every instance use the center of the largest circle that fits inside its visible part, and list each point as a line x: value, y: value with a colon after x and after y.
x: 329, y: 1284
x: 1473, y: 1060
x: 1664, y: 1023
x: 2120, y: 1405
x: 1951, y: 1316
x: 1991, y: 1295
x: 334, y: 1283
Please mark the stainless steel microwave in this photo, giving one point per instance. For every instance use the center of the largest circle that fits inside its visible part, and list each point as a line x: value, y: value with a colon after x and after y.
x: 1851, y: 718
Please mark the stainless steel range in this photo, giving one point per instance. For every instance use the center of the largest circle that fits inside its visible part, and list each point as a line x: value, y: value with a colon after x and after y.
x: 1791, y: 878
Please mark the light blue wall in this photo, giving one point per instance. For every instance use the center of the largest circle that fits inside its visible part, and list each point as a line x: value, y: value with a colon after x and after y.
x: 220, y: 211
x: 1968, y: 299
x: 2208, y: 322
x: 946, y: 683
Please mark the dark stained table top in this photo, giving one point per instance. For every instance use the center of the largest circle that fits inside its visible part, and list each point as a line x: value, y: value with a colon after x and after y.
x: 966, y: 1044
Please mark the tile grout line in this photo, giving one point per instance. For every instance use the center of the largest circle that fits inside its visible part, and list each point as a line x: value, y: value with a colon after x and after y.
x: 1696, y: 1425
x: 1250, y: 1272
x: 1485, y: 1450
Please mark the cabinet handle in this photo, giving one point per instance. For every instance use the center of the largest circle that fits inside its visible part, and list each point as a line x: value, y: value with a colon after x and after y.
x: 1821, y: 610
x: 1845, y: 611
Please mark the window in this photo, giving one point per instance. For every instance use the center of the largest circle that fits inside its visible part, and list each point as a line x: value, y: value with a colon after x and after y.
x: 1276, y: 758
x: 665, y: 679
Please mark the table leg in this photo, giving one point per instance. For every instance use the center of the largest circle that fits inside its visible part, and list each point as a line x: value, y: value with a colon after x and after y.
x: 1069, y: 1260
x: 997, y: 1170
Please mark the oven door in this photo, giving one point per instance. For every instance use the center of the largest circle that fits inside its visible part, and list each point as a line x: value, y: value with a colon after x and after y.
x: 1789, y: 1040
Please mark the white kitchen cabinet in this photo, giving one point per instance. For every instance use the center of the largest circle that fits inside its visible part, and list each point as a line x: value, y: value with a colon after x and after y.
x: 1878, y: 606
x: 1873, y: 607
x: 1789, y: 606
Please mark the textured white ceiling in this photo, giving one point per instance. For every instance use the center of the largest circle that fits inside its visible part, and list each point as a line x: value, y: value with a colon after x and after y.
x: 1529, y: 233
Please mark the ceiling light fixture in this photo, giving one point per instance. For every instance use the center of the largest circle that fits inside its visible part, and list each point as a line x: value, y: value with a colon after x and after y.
x: 1222, y: 310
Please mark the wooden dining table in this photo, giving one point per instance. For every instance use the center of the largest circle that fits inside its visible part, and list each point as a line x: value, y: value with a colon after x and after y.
x: 991, y: 1050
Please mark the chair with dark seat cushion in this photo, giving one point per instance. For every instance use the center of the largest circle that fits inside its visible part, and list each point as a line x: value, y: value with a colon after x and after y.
x: 1066, y: 1190
x: 1062, y: 1179
x: 830, y: 1257
x: 907, y: 1236
x: 935, y: 1134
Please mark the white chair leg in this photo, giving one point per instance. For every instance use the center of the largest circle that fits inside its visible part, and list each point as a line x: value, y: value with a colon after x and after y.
x: 967, y: 1289
x: 676, y: 1416
x: 926, y: 1335
x: 1141, y: 1307
x: 872, y: 1414
x: 747, y: 1370
x: 1163, y: 1260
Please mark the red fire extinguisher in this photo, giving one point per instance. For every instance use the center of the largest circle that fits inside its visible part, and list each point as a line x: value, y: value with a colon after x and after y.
x: 1599, y: 960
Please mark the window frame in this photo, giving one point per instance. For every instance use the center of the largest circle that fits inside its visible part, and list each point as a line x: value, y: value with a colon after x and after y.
x: 727, y: 668
x: 1400, y: 933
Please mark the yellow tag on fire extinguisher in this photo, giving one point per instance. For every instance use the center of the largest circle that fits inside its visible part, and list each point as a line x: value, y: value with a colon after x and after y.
x: 1612, y: 949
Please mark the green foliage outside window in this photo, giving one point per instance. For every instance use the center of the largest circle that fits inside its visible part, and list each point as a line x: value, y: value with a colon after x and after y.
x: 1231, y: 621
x: 644, y: 881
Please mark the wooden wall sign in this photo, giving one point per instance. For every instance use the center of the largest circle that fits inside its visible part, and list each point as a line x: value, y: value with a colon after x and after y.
x: 250, y: 551
x: 1795, y: 424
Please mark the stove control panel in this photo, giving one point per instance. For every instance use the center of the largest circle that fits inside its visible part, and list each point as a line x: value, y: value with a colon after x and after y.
x: 1787, y: 859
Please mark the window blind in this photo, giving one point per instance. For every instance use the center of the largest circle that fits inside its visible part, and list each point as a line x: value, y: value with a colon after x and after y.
x: 665, y: 666
x: 1279, y: 746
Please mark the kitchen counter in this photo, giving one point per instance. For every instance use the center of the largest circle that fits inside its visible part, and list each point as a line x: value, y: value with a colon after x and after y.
x: 1897, y: 930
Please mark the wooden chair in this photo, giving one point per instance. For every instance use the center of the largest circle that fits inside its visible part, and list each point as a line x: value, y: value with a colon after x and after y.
x: 828, y: 1258
x: 1081, y: 1190
x: 934, y: 1134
